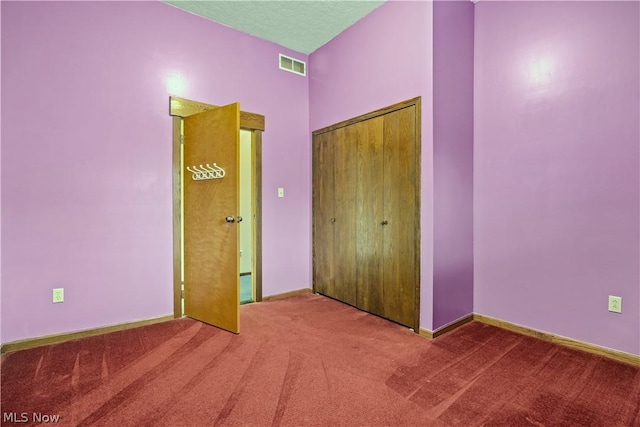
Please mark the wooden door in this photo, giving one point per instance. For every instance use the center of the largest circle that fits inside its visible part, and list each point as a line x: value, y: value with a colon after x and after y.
x: 334, y: 214
x: 400, y: 208
x: 211, y: 268
x: 323, y: 213
x: 345, y: 176
x: 369, y: 212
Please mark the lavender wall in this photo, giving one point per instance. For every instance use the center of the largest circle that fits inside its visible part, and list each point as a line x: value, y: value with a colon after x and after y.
x: 1, y: 276
x: 383, y: 59
x: 86, y: 156
x: 452, y: 160
x: 557, y: 167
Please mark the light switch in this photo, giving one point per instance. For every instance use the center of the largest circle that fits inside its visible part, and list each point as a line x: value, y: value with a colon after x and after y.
x: 280, y: 192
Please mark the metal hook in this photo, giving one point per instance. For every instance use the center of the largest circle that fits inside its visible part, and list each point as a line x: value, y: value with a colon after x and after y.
x: 206, y: 172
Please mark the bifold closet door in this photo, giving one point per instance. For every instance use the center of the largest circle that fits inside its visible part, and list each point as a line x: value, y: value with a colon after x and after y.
x: 370, y: 214
x: 334, y: 205
x: 400, y: 210
x: 323, y: 213
x: 344, y: 239
x: 366, y: 230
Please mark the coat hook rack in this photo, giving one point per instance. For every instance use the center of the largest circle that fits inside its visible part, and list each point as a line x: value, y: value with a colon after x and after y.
x: 206, y: 172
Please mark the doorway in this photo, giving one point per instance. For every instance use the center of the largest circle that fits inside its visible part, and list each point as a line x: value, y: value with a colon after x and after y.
x: 250, y: 255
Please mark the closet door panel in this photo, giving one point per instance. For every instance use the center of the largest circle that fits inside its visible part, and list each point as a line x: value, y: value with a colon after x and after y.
x: 345, y: 177
x: 369, y: 213
x: 323, y: 213
x: 399, y: 249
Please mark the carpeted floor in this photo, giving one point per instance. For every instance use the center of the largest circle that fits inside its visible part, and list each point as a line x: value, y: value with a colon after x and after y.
x: 309, y: 360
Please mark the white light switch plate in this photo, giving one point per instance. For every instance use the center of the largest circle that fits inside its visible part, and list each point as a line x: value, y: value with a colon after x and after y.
x: 281, y: 192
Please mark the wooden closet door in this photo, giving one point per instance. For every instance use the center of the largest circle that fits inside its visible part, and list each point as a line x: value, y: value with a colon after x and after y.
x: 369, y: 213
x: 323, y: 213
x: 345, y: 177
x: 400, y: 208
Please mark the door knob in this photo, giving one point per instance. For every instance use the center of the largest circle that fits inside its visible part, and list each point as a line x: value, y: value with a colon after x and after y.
x: 239, y: 218
x: 385, y: 222
x: 230, y: 219
x: 333, y: 220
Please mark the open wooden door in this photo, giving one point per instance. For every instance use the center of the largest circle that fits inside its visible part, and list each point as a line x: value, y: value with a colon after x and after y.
x: 211, y: 233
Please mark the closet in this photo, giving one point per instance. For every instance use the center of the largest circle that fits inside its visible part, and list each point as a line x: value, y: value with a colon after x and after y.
x: 366, y: 175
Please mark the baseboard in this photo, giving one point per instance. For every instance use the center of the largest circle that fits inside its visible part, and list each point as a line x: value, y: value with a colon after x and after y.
x: 68, y: 336
x: 425, y: 333
x: 446, y: 328
x: 453, y: 325
x: 287, y: 294
x: 558, y: 339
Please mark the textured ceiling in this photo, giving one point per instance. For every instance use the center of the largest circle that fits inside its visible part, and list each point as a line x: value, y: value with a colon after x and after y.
x: 301, y: 25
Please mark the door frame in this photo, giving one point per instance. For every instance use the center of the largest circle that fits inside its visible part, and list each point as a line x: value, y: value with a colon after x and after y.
x: 178, y: 109
x: 417, y: 103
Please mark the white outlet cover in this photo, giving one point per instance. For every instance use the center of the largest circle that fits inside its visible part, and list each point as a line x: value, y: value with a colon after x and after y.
x: 280, y: 192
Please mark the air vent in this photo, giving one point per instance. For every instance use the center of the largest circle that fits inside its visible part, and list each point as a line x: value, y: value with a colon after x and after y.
x: 293, y: 65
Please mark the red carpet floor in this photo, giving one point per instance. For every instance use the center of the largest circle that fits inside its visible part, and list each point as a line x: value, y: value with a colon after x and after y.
x: 309, y: 360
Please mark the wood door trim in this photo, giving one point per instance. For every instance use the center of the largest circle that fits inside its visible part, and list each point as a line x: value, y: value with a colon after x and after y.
x: 188, y: 108
x: 382, y: 111
x: 183, y: 107
x: 177, y: 220
x: 418, y: 124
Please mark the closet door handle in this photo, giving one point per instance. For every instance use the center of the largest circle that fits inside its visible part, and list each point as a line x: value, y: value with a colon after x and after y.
x: 239, y: 219
x: 230, y: 219
x: 385, y: 222
x: 333, y: 220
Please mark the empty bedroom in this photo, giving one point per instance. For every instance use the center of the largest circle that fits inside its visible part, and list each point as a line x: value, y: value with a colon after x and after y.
x: 326, y: 213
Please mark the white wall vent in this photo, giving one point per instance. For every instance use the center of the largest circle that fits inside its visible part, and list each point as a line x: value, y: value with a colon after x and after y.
x: 293, y: 65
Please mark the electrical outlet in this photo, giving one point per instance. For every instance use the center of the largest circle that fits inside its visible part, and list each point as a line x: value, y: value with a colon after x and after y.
x: 280, y: 192
x: 58, y: 295
x: 615, y: 304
